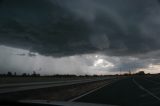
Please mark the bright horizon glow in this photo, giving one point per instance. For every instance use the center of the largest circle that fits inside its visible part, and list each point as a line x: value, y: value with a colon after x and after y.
x: 102, y: 63
x: 153, y: 69
x: 21, y: 61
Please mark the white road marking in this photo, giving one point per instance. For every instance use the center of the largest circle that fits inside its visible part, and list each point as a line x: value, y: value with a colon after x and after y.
x: 146, y: 90
x: 62, y: 103
x: 155, y: 82
x: 76, y: 98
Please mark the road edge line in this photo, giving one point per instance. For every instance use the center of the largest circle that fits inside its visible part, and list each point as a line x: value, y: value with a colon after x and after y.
x: 146, y: 90
x: 87, y: 93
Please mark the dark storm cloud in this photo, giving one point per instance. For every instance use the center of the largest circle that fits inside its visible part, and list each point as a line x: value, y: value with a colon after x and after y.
x: 69, y: 27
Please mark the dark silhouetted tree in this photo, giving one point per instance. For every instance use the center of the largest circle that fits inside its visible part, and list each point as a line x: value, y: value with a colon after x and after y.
x: 9, y: 74
x: 24, y: 75
x: 141, y: 73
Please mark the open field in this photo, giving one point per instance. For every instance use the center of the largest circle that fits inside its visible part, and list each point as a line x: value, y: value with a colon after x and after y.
x: 30, y: 79
x: 62, y: 90
x: 9, y: 80
x: 8, y: 88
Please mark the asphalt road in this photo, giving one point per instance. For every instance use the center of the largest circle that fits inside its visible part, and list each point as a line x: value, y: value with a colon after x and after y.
x: 132, y: 91
x: 8, y: 88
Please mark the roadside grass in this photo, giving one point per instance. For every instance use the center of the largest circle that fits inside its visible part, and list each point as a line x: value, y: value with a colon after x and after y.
x: 11, y: 80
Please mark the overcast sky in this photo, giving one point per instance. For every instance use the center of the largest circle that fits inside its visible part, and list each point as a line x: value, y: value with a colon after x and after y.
x: 79, y: 36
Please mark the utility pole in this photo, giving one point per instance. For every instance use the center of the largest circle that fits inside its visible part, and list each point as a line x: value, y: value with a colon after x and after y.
x: 120, y: 71
x: 129, y: 71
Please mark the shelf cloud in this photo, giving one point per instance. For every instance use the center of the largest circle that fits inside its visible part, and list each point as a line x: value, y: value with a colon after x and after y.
x: 62, y: 28
x: 123, y: 29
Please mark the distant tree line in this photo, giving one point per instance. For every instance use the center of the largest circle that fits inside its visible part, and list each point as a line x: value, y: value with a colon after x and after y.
x: 10, y: 74
x: 34, y: 74
x: 138, y: 73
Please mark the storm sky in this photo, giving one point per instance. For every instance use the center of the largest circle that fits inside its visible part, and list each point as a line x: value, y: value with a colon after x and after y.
x: 79, y: 36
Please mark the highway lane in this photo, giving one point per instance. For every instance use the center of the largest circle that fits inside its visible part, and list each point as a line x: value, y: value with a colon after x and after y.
x: 126, y: 92
x: 150, y: 86
x: 8, y: 88
x: 149, y: 92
